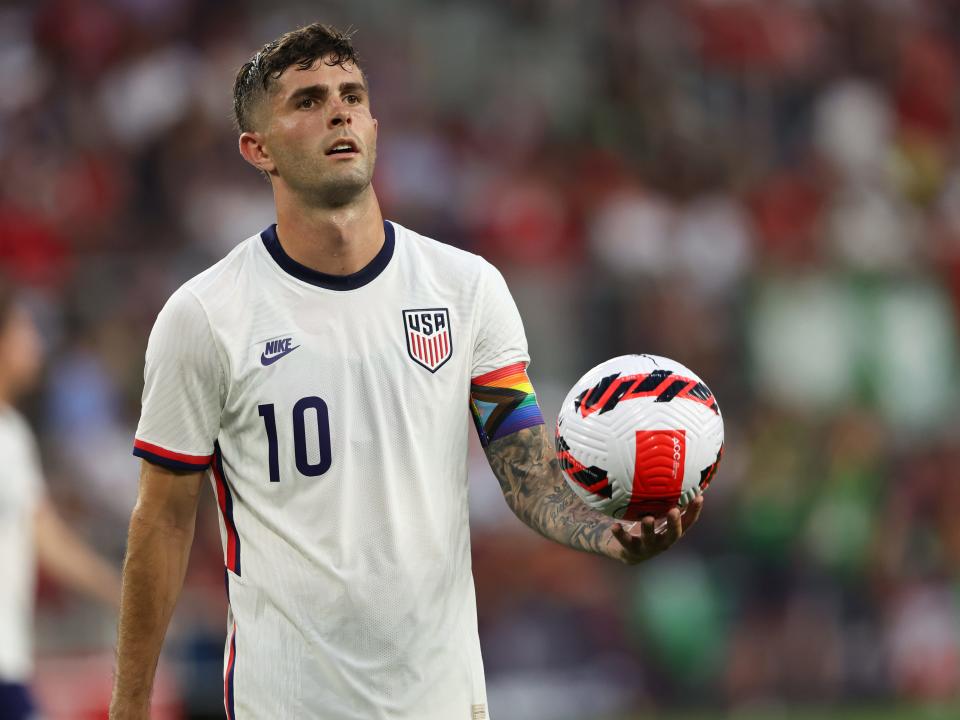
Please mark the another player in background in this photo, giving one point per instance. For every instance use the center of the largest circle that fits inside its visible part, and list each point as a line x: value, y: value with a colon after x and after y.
x: 31, y: 531
x: 323, y: 371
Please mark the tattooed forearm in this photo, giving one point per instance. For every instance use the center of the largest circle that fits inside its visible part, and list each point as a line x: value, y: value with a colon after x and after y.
x: 533, y: 484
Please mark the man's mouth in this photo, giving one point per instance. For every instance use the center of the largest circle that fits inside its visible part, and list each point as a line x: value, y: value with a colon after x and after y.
x: 342, y: 147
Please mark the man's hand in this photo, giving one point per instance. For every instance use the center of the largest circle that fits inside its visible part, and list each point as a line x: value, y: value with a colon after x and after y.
x: 644, y: 540
x: 526, y: 466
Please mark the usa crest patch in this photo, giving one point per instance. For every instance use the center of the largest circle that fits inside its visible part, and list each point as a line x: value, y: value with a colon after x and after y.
x: 429, y: 340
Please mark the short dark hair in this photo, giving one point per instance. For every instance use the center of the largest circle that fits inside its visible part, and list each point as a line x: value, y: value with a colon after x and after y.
x: 301, y: 47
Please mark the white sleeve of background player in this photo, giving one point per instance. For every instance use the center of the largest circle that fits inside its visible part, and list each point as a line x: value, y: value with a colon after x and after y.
x: 500, y: 340
x: 32, y: 470
x: 183, y: 388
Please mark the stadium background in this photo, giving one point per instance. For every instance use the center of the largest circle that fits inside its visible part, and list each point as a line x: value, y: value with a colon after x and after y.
x: 766, y: 190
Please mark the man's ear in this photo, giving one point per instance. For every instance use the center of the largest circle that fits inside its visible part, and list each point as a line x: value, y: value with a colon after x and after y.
x: 255, y: 152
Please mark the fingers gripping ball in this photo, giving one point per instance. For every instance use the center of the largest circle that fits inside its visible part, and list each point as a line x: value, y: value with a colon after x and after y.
x: 639, y: 435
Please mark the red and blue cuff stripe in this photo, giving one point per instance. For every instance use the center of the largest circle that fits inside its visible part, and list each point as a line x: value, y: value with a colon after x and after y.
x: 169, y: 458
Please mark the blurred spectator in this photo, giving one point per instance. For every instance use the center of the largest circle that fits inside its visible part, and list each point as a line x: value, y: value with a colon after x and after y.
x: 32, y: 532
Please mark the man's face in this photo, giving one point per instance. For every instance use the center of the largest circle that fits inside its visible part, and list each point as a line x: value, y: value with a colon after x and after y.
x: 320, y: 134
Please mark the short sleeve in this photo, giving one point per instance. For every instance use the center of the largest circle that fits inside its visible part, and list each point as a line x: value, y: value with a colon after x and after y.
x: 183, y: 388
x: 500, y: 340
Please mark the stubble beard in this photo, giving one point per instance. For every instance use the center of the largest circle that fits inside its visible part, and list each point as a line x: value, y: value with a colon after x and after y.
x: 340, y: 192
x: 336, y: 187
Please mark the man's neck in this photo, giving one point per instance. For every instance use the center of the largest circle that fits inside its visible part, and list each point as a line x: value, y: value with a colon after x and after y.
x: 337, y: 241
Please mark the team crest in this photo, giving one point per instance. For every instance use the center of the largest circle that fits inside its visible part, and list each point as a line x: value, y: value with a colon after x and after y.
x: 429, y: 341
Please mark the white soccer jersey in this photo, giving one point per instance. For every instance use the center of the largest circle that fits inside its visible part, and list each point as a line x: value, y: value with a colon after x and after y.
x: 335, y: 414
x: 21, y: 488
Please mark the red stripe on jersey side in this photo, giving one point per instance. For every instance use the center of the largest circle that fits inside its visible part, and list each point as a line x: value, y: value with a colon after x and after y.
x: 228, y: 676
x: 503, y: 372
x: 225, y: 502
x: 198, y: 460
x: 419, y: 351
x: 443, y: 345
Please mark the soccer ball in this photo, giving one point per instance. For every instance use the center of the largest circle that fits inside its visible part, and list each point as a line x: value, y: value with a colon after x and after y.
x: 639, y: 435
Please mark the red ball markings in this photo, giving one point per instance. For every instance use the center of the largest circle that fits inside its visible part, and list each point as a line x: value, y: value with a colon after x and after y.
x: 658, y: 473
x: 662, y: 385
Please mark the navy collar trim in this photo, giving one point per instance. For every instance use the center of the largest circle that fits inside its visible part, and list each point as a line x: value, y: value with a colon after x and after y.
x: 331, y: 282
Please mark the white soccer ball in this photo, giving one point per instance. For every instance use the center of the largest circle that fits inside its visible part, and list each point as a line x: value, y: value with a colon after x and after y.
x: 639, y: 435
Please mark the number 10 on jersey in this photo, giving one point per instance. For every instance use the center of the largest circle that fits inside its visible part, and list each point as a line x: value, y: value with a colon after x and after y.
x: 304, y: 466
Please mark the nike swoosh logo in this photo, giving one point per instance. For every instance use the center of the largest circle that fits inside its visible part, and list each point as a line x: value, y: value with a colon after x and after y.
x: 264, y: 360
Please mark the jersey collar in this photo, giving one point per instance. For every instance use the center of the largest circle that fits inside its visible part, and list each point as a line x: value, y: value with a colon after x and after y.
x: 332, y: 282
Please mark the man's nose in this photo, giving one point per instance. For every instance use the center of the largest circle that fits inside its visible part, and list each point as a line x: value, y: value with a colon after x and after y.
x: 340, y: 116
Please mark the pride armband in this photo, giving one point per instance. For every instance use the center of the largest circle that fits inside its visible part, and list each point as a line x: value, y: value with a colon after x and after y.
x: 503, y: 402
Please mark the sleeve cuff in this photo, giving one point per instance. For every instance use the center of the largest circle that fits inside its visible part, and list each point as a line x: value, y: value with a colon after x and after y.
x: 170, y: 459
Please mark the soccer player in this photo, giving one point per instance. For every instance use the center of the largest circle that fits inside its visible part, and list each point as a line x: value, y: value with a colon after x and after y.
x: 31, y: 530
x: 323, y: 372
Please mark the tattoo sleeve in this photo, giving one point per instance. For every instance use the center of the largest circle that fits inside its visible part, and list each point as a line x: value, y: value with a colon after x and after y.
x: 533, y: 485
x: 521, y: 454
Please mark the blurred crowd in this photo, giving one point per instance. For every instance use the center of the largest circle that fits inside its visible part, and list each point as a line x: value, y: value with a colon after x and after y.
x: 766, y: 190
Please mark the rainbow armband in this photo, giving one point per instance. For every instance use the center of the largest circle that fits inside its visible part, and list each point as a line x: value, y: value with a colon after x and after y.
x: 503, y: 402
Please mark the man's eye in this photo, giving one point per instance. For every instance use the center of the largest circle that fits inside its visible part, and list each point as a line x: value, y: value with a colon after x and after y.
x: 305, y: 103
x: 352, y: 99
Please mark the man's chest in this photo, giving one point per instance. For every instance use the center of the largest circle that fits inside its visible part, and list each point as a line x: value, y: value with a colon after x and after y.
x: 359, y: 354
x: 335, y: 391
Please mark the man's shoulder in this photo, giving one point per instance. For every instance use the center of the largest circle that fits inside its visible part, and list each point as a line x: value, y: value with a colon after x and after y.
x: 220, y: 285
x: 439, y: 253
x: 225, y: 273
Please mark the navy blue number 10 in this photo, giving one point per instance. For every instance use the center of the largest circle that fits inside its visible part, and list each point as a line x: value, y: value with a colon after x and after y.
x: 299, y: 437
